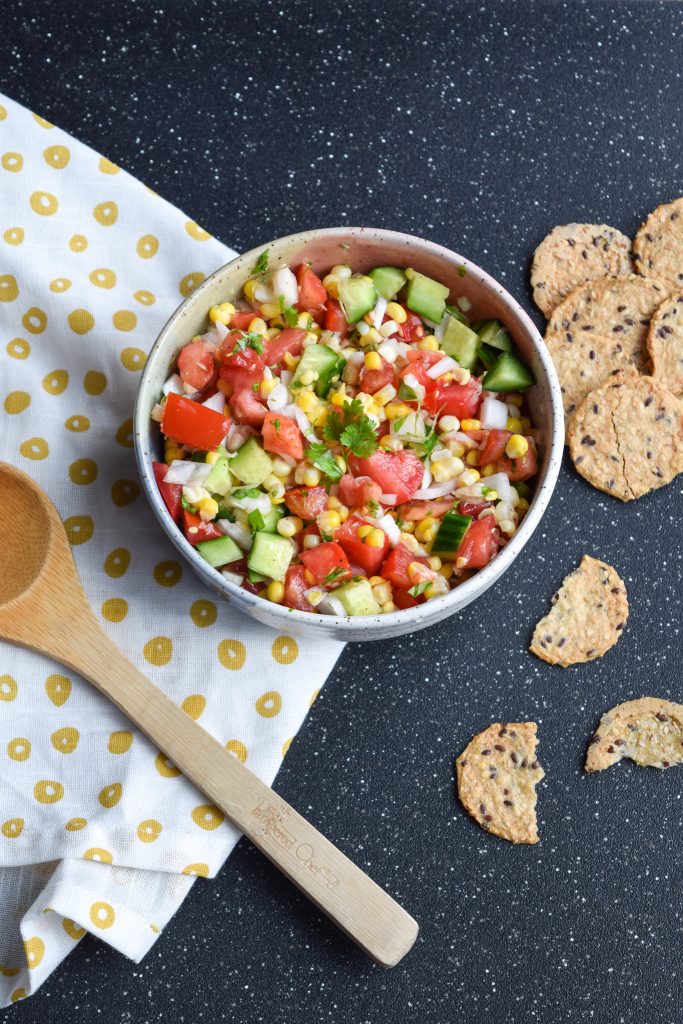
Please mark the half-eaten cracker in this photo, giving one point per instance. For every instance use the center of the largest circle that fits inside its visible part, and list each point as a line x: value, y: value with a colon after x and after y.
x: 572, y: 255
x: 649, y: 731
x: 626, y: 438
x: 658, y: 246
x: 588, y: 614
x: 599, y: 329
x: 497, y: 777
x: 665, y: 343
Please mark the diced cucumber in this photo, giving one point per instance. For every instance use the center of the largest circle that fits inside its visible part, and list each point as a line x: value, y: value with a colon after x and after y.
x: 426, y: 296
x: 388, y: 281
x: 255, y: 577
x: 508, y: 373
x: 357, y: 598
x: 488, y: 355
x: 450, y: 534
x: 270, y: 555
x: 219, y: 551
x: 251, y: 464
x: 265, y: 523
x: 458, y: 314
x: 218, y: 480
x: 357, y: 296
x: 324, y: 362
x: 492, y: 332
x: 460, y: 342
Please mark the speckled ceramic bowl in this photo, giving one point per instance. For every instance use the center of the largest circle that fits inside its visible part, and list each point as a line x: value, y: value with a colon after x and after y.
x: 363, y: 248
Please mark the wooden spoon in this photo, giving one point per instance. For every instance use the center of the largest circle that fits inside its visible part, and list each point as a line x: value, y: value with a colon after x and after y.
x: 43, y: 606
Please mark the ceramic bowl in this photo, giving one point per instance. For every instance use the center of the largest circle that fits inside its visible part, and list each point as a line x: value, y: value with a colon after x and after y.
x: 362, y: 248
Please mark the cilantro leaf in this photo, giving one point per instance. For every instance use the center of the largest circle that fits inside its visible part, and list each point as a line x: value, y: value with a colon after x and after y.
x: 373, y: 508
x: 419, y: 588
x: 250, y: 340
x: 289, y: 314
x: 261, y: 264
x: 256, y: 521
x: 277, y: 424
x: 333, y: 576
x: 352, y: 428
x: 430, y: 442
x: 186, y: 504
x: 246, y: 492
x: 223, y: 513
x: 324, y: 460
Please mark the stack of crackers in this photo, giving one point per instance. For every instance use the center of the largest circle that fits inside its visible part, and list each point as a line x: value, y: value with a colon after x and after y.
x: 615, y: 334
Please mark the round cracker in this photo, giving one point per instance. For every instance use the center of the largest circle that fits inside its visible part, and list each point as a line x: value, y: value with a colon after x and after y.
x: 648, y: 730
x: 665, y: 343
x: 588, y: 613
x: 626, y: 438
x: 574, y: 254
x: 599, y: 329
x: 658, y: 246
x: 497, y: 777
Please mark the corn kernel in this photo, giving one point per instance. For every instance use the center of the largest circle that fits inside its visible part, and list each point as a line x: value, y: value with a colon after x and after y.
x: 469, y: 477
x: 172, y: 454
x: 513, y: 424
x: 429, y: 343
x: 312, y: 477
x: 508, y: 527
x: 388, y: 328
x: 308, y: 576
x: 291, y: 361
x: 311, y: 540
x: 456, y: 448
x: 280, y: 467
x: 376, y: 538
x: 328, y: 522
x: 423, y: 527
x: 339, y: 398
x: 396, y: 312
x: 434, y: 563
x: 382, y: 592
x: 522, y: 507
x: 341, y: 462
x: 310, y: 339
x: 250, y: 288
x: 207, y: 508
x: 516, y: 447
x: 364, y: 531
x: 211, y: 458
x: 409, y: 527
x: 389, y: 607
x: 373, y: 361
x: 342, y: 271
x: 304, y: 320
x: 278, y: 499
x: 258, y: 325
x: 409, y: 542
x: 470, y: 424
x: 268, y: 386
x: 375, y: 580
x: 318, y: 415
x: 275, y: 592
x: 394, y: 410
x: 371, y: 337
x: 219, y: 316
x: 488, y: 470
x: 446, y: 570
x: 289, y: 525
x: 391, y: 443
x: 473, y: 458
x: 515, y: 400
x: 448, y: 423
x: 460, y: 563
x: 276, y: 323
x: 268, y: 310
x: 307, y: 401
x: 385, y: 395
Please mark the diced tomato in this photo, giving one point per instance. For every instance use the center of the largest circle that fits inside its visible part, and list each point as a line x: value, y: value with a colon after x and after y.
x: 461, y: 400
x: 242, y: 318
x: 372, y: 381
x: 334, y: 318
x: 312, y: 294
x: 240, y: 360
x: 196, y: 365
x: 195, y: 529
x: 359, y: 553
x: 295, y: 585
x: 472, y: 507
x: 480, y: 543
x: 494, y: 448
x: 289, y: 340
x: 193, y: 424
x: 398, y: 473
x: 281, y: 436
x: 306, y: 502
x: 413, y: 328
x: 358, y: 491
x: 395, y: 568
x: 424, y: 356
x: 402, y: 599
x: 416, y: 510
x: 171, y: 493
x: 246, y: 407
x: 522, y: 468
x: 328, y: 559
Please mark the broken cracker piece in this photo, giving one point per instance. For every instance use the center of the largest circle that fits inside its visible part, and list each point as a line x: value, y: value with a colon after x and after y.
x: 649, y: 731
x: 588, y: 613
x: 497, y: 775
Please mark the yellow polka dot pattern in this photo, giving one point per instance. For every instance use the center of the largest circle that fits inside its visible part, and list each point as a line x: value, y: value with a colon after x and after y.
x: 8, y: 688
x: 58, y: 689
x: 48, y: 791
x: 120, y: 741
x: 12, y: 828
x: 116, y: 563
x: 19, y: 749
x: 102, y: 914
x: 9, y: 289
x: 106, y: 214
x: 232, y: 654
x: 14, y: 236
x: 44, y: 203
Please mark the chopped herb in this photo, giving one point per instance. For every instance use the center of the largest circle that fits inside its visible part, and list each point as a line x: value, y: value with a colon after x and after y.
x: 261, y: 264
x: 247, y: 492
x: 373, y: 508
x: 186, y: 505
x: 399, y: 423
x: 250, y: 340
x: 326, y: 536
x: 255, y: 387
x: 224, y: 513
x: 333, y: 576
x: 462, y: 271
x: 352, y: 428
x: 256, y: 521
x: 290, y: 315
x: 323, y: 459
x: 277, y: 424
x: 430, y: 441
x: 400, y: 523
x: 419, y: 588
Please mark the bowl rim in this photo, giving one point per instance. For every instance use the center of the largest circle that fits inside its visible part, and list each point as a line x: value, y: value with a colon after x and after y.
x: 458, y: 597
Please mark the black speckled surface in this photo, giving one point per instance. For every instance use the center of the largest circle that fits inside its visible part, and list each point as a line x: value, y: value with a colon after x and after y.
x: 479, y: 125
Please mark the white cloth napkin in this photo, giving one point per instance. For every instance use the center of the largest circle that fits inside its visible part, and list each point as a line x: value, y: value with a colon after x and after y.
x: 97, y: 831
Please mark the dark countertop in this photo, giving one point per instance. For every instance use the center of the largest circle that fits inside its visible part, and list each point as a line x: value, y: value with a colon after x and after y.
x: 479, y: 125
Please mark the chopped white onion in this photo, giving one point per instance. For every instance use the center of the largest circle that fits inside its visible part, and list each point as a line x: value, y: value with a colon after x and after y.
x: 174, y: 384
x: 314, y: 595
x: 236, y: 436
x: 214, y: 336
x: 444, y: 365
x: 411, y: 427
x: 216, y: 402
x: 261, y: 503
x: 426, y: 476
x: 233, y: 577
x: 388, y: 499
x: 186, y: 473
x: 378, y: 312
x: 392, y: 531
x: 464, y: 303
x: 504, y: 511
x: 278, y: 397
x: 437, y: 491
x: 305, y: 425
x: 430, y: 323
x: 331, y: 605
x: 440, y: 328
x: 262, y: 294
x: 239, y: 533
x: 285, y: 377
x: 413, y: 383
x: 494, y: 414
x: 389, y: 350
x: 500, y: 482
x: 284, y: 284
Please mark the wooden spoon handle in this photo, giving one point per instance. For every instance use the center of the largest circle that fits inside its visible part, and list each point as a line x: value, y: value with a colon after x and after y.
x: 348, y: 896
